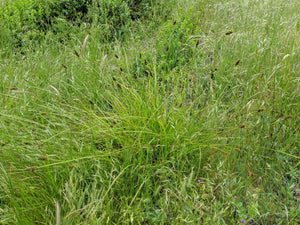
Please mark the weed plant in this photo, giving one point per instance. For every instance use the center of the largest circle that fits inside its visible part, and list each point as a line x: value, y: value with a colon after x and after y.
x: 190, y: 119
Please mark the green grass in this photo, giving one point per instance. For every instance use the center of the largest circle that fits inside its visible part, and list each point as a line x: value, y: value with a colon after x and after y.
x: 183, y: 122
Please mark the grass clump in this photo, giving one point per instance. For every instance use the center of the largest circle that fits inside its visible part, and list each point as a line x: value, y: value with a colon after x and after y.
x: 194, y: 122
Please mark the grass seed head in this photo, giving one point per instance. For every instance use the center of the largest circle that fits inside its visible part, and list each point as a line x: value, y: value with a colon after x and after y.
x: 237, y: 62
x: 76, y: 53
x: 242, y: 125
x: 31, y: 169
x: 43, y: 158
x: 84, y: 45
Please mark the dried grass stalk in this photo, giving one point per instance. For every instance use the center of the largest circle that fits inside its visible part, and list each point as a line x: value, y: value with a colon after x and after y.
x: 84, y: 44
x: 57, y: 217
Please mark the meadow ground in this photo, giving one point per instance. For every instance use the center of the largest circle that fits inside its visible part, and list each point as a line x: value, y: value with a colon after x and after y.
x: 193, y: 118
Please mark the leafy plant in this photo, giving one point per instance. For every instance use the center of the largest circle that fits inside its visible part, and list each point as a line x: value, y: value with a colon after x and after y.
x: 175, y: 44
x: 112, y: 17
x: 70, y: 10
x: 29, y: 21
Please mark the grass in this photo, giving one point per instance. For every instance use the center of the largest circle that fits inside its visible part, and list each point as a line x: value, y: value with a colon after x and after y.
x: 192, y: 120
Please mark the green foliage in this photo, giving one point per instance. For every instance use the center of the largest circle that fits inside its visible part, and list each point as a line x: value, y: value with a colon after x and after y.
x: 20, y: 18
x: 28, y: 21
x: 140, y: 8
x: 176, y: 43
x: 112, y: 18
x: 69, y: 10
x: 142, y: 66
x: 176, y: 46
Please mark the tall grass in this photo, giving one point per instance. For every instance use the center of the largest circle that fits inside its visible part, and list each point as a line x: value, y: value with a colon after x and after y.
x: 195, y: 121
